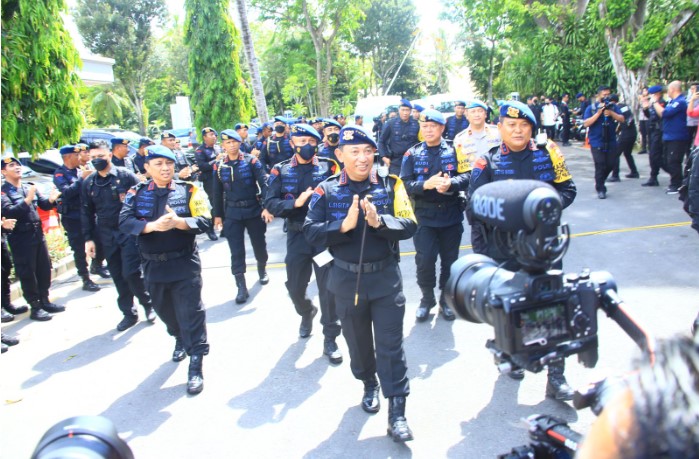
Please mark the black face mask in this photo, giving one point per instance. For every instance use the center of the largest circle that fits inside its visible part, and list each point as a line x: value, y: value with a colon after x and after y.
x: 333, y: 138
x: 100, y: 164
x: 279, y: 129
x: 307, y: 151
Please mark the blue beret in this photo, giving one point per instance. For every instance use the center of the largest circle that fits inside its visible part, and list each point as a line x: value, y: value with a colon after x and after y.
x: 460, y: 103
x: 9, y: 160
x: 267, y: 124
x: 206, y: 130
x: 356, y: 117
x: 356, y: 135
x: 314, y: 120
x: 405, y: 103
x: 603, y: 87
x: 475, y: 103
x: 159, y: 151
x: 82, y: 146
x: 655, y: 89
x: 301, y: 130
x: 230, y: 134
x: 281, y: 119
x: 118, y: 141
x: 167, y: 135
x: 432, y: 115
x: 145, y: 141
x: 578, y: 95
x: 515, y: 109
x: 337, y: 117
x: 330, y: 122
x: 241, y: 126
x: 419, y: 108
x: 68, y: 149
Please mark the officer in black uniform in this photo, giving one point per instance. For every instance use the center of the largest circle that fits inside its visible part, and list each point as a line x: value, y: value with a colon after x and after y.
x: 318, y: 124
x: 139, y: 160
x: 626, y: 139
x: 102, y: 197
x: 363, y: 236
x: 565, y: 118
x: 457, y: 122
x: 261, y: 141
x: 655, y: 137
x: 183, y: 169
x: 205, y: 156
x: 242, y: 130
x: 68, y: 179
x: 9, y: 310
x: 290, y: 186
x: 518, y: 157
x: 166, y: 215
x: 278, y: 148
x: 120, y: 154
x: 27, y: 242
x: 236, y: 198
x: 429, y: 172
x: 397, y: 136
x: 331, y: 134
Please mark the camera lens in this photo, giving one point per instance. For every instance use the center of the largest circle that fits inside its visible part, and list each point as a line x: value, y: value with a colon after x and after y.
x: 88, y: 437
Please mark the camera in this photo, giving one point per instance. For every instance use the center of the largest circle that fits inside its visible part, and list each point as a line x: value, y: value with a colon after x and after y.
x: 550, y: 436
x: 90, y: 437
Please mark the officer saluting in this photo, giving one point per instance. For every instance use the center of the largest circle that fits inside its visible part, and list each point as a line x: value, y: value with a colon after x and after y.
x: 166, y: 215
x: 397, y: 135
x: 338, y: 218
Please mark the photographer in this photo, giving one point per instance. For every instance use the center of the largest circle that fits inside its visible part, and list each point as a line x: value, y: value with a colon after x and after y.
x: 518, y: 157
x: 601, y: 119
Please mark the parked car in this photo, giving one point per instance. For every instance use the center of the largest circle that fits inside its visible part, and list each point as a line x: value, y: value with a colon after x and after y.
x: 90, y: 135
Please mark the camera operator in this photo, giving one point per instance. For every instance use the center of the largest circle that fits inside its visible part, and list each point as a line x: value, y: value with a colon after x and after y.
x: 518, y: 157
x: 601, y: 119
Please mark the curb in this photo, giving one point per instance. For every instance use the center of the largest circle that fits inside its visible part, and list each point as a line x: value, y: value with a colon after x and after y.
x: 61, y: 267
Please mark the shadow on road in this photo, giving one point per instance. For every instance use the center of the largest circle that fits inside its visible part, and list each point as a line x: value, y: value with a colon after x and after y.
x: 429, y: 346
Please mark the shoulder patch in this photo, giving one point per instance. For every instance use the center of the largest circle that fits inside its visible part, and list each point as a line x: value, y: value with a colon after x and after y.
x: 317, y: 194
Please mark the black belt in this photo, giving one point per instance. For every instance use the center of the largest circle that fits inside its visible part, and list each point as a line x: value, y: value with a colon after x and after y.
x: 26, y: 227
x: 294, y: 226
x: 419, y: 204
x: 364, y: 267
x: 165, y: 256
x: 248, y: 203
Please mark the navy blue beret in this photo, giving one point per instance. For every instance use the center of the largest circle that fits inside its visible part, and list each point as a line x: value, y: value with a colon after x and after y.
x: 432, y: 115
x: 459, y: 103
x: 167, y: 135
x: 68, y: 149
x: 241, y: 126
x: 475, y: 103
x: 517, y: 110
x: 159, y: 151
x: 206, y: 130
x: 9, y: 160
x: 330, y: 122
x: 119, y: 141
x: 419, y: 108
x: 231, y: 134
x: 302, y: 130
x: 281, y: 119
x: 145, y: 141
x: 655, y: 89
x: 405, y: 103
x: 356, y: 135
x: 578, y: 95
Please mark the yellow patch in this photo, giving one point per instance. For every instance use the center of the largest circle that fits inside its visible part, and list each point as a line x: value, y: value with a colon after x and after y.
x: 513, y: 112
x: 560, y: 169
x: 198, y: 204
x: 401, y: 201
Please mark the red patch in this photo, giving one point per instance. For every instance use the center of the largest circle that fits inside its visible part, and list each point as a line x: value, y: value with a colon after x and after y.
x: 59, y: 175
x: 319, y: 191
x: 407, y: 153
x: 275, y: 171
x: 480, y: 163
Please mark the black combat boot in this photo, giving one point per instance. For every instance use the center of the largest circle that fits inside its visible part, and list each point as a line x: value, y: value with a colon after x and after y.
x: 306, y: 326
x: 88, y: 285
x: 195, y: 381
x: 397, y: 424
x: 53, y: 308
x: 38, y: 313
x: 243, y: 294
x: 262, y: 271
x: 557, y: 387
x: 652, y: 181
x: 212, y: 235
x: 444, y: 308
x: 9, y: 340
x: 15, y: 310
x: 179, y: 353
x: 96, y: 268
x: 426, y: 303
x: 370, y: 398
x: 6, y: 316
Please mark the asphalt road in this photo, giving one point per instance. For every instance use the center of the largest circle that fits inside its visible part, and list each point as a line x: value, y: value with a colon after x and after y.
x: 270, y: 394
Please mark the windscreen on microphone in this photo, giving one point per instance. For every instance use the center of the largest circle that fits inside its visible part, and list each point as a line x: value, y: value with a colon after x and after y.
x: 513, y: 205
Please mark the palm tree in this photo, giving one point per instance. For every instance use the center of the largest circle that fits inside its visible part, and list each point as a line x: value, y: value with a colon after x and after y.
x: 257, y: 88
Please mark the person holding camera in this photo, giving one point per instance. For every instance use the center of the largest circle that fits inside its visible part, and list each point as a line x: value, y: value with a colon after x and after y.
x: 518, y: 157
x: 601, y: 119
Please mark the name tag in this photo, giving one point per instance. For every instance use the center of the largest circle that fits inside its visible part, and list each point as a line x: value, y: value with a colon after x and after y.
x: 323, y: 258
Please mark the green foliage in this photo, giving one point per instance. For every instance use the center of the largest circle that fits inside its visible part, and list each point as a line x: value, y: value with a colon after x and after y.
x: 40, y: 100
x: 107, y: 105
x: 219, y: 96
x: 618, y: 12
x: 680, y: 60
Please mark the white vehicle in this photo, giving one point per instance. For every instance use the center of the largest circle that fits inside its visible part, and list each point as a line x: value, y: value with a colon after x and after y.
x: 371, y: 107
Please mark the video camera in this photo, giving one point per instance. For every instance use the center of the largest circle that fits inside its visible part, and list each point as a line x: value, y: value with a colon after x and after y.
x: 607, y: 102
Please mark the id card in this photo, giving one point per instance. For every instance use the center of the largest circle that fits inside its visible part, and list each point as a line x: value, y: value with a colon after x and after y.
x: 323, y: 258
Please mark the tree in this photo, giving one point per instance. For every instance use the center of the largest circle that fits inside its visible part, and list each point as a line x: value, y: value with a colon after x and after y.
x: 219, y: 96
x: 40, y: 100
x: 106, y: 105
x: 121, y: 29
x: 251, y: 58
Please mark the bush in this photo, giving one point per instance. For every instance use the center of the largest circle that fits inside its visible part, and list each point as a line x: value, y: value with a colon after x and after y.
x: 58, y: 245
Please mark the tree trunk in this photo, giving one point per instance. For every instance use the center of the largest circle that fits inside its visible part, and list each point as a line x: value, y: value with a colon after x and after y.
x: 491, y: 72
x: 257, y: 88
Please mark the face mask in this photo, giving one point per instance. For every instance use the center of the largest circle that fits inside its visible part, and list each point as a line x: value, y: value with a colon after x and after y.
x: 307, y: 151
x: 279, y: 129
x: 333, y: 138
x: 100, y: 164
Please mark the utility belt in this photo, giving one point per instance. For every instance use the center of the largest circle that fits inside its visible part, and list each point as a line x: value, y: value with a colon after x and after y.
x: 26, y: 227
x: 110, y: 222
x: 245, y: 203
x: 420, y: 204
x: 166, y: 256
x: 294, y: 226
x: 364, y: 268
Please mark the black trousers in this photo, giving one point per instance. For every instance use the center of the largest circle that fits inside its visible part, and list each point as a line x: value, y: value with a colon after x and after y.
x: 430, y: 242
x: 299, y: 263
x: 124, y: 263
x: 6, y: 269
x: 565, y: 133
x: 674, y: 152
x: 377, y: 322
x: 32, y: 263
x: 76, y: 240
x: 625, y: 147
x: 643, y: 128
x: 179, y: 306
x: 235, y: 234
x: 604, y: 164
x: 655, y: 152
x: 550, y: 132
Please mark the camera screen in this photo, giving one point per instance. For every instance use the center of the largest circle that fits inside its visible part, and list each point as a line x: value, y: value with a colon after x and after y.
x: 543, y: 324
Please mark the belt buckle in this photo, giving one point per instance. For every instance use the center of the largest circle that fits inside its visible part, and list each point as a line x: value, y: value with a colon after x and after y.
x: 161, y: 257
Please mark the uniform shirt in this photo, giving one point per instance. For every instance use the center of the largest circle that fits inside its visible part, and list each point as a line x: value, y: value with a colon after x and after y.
x: 139, y: 162
x: 289, y: 179
x: 469, y: 145
x: 277, y: 150
x: 583, y: 107
x: 565, y: 112
x: 103, y: 197
x: 69, y: 184
x: 596, y: 133
x: 126, y: 163
x: 146, y: 203
x: 14, y: 206
x: 675, y: 120
x: 627, y: 129
x: 205, y: 157
x: 433, y: 208
x: 397, y: 137
x: 236, y: 192
x: 328, y: 151
x: 245, y: 147
x: 454, y: 126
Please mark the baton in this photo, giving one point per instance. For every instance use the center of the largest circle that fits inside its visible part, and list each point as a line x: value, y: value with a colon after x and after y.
x: 361, y: 253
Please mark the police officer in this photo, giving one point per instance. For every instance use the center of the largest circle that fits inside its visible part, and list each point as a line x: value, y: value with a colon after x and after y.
x: 601, y: 119
x: 242, y: 130
x: 358, y: 120
x: 68, y: 179
x: 205, y: 156
x: 102, y: 197
x: 429, y: 172
x: 261, y: 141
x: 457, y: 122
x: 166, y: 215
x: 27, y: 242
x: 477, y: 139
x: 626, y: 140
x: 317, y: 124
x: 139, y: 160
x: 236, y: 198
x: 291, y: 185
x: 331, y: 134
x: 120, y: 154
x: 9, y: 310
x: 675, y: 133
x: 584, y: 103
x: 278, y: 148
x: 183, y: 169
x: 363, y: 236
x: 565, y: 118
x: 340, y: 119
x: 397, y: 135
x: 518, y: 157
x: 655, y: 134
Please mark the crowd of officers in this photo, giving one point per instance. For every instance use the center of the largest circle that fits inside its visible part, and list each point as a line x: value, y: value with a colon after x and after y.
x: 343, y: 216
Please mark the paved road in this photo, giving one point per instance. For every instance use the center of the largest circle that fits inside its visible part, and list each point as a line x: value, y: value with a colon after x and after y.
x: 270, y: 394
